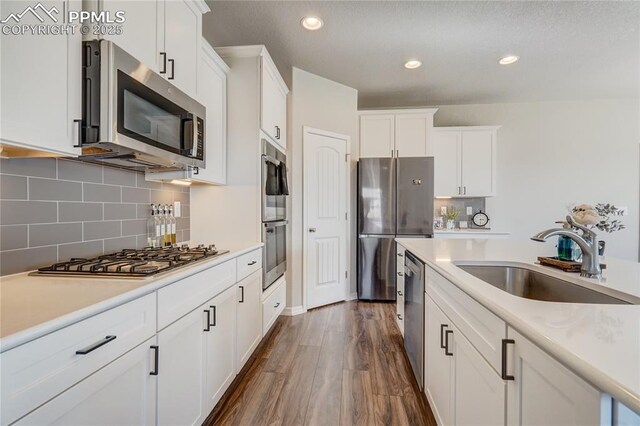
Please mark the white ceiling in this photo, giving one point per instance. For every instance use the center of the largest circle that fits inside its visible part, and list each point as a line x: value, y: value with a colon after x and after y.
x: 568, y: 50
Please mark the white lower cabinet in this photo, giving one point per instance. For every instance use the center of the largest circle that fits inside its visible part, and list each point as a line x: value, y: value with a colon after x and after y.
x: 438, y: 366
x: 273, y: 304
x: 544, y: 392
x: 122, y: 393
x: 479, y: 390
x: 219, y: 356
x: 181, y: 370
x: 249, y: 317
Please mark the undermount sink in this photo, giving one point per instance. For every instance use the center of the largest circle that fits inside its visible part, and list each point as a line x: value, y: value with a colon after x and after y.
x: 534, y: 285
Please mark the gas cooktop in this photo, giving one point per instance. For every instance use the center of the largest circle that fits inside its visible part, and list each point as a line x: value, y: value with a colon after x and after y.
x: 134, y: 263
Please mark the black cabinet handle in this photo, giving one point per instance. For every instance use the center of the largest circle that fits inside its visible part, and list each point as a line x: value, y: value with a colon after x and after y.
x: 276, y: 305
x: 208, y: 326
x: 442, y: 327
x: 253, y: 262
x: 156, y: 358
x: 241, y: 294
x: 164, y: 62
x: 504, y: 374
x: 277, y: 132
x: 446, y: 343
x: 400, y: 274
x: 96, y: 345
x: 399, y: 317
x: 214, y: 316
x: 173, y: 68
x: 399, y: 293
x: 78, y: 122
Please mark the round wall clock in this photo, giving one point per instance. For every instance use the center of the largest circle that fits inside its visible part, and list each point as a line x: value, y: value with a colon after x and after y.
x: 480, y: 219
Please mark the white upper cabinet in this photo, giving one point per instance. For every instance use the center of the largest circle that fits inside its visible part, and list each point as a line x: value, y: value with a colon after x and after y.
x: 377, y: 135
x: 446, y: 160
x: 465, y: 161
x: 396, y: 133
x: 544, y: 392
x: 273, y: 119
x: 41, y: 85
x: 142, y: 29
x: 413, y: 134
x: 182, y: 33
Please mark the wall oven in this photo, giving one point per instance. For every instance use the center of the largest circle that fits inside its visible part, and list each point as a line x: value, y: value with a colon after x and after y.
x: 274, y: 237
x: 274, y: 183
x: 135, y: 118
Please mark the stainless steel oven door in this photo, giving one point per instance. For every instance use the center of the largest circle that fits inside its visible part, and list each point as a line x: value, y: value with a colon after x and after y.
x: 274, y: 252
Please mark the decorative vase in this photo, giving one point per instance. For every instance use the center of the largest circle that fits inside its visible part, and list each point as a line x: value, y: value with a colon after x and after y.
x: 451, y: 224
x: 568, y: 249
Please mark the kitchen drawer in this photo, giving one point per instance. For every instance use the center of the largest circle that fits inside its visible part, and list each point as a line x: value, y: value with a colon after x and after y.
x: 248, y: 263
x: 273, y: 305
x: 178, y: 299
x: 481, y: 327
x: 37, y: 371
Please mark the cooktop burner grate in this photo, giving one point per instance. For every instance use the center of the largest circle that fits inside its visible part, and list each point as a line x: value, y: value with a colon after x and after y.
x: 133, y: 263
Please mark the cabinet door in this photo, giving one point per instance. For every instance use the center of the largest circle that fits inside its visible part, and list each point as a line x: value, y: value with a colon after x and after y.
x: 479, y: 390
x: 477, y: 150
x: 400, y: 288
x: 139, y: 37
x: 212, y: 92
x: 249, y: 317
x: 181, y: 370
x: 122, y: 393
x: 39, y: 100
x: 446, y: 158
x: 377, y: 136
x: 220, y: 347
x: 544, y: 392
x: 413, y: 133
x: 182, y: 32
x: 273, y: 104
x: 438, y: 366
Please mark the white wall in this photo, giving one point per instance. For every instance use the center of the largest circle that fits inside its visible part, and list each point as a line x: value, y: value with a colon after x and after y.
x: 551, y: 154
x: 323, y: 104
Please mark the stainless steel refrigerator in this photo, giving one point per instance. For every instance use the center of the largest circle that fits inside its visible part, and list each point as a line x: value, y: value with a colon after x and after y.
x: 395, y: 199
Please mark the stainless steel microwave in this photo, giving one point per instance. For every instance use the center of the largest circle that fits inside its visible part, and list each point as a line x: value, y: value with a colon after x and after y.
x: 133, y: 117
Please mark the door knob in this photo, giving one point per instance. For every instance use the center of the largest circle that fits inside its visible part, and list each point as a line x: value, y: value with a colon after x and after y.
x: 312, y: 229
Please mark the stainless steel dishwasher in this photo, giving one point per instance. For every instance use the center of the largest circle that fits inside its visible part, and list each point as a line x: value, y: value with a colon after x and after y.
x: 414, y: 279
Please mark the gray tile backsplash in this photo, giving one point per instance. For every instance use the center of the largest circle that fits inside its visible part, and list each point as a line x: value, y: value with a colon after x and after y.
x: 461, y: 204
x: 54, y: 209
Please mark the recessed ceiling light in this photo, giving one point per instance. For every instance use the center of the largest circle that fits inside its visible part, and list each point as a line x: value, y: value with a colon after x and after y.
x: 412, y: 64
x: 312, y: 23
x: 508, y: 60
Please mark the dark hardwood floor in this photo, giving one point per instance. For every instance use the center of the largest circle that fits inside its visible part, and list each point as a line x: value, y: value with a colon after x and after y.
x: 341, y: 364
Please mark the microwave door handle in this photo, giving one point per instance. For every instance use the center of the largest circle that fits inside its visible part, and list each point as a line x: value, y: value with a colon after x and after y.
x: 187, y: 139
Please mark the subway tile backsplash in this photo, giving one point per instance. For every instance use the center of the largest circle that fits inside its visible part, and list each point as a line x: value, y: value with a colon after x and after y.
x: 54, y: 209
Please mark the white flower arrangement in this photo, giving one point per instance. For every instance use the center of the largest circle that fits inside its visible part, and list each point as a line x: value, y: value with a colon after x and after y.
x: 602, y: 216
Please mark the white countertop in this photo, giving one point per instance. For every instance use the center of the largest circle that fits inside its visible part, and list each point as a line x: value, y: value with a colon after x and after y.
x: 32, y: 306
x: 473, y: 231
x: 601, y: 343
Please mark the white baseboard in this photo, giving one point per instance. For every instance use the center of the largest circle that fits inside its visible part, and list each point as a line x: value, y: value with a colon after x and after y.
x: 353, y: 296
x: 291, y: 311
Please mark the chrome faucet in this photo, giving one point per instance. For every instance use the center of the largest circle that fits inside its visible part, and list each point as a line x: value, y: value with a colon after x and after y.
x: 588, y: 243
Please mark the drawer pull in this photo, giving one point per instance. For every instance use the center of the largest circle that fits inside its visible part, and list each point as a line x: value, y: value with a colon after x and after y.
x: 276, y: 305
x: 96, y: 345
x: 156, y: 358
x: 401, y: 274
x: 446, y: 343
x: 504, y: 374
x: 399, y: 293
x: 253, y: 262
x: 399, y: 317
x: 241, y: 293
x: 442, y: 327
x: 400, y: 254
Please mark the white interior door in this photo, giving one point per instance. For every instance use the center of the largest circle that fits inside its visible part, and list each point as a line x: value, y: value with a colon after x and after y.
x: 325, y: 217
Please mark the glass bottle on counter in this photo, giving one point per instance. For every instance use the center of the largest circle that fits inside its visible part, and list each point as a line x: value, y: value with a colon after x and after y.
x: 163, y: 225
x: 172, y: 225
x: 153, y: 228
